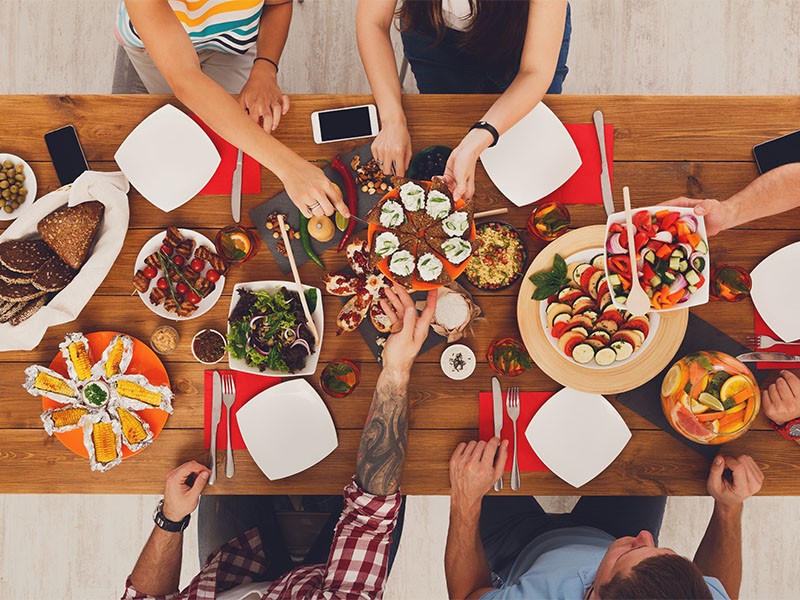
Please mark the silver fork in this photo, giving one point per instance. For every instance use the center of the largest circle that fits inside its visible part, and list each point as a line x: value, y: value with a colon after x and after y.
x: 762, y: 342
x: 228, y: 398
x: 512, y: 408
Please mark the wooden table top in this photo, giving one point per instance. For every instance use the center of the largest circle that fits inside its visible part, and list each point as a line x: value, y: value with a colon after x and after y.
x: 665, y: 146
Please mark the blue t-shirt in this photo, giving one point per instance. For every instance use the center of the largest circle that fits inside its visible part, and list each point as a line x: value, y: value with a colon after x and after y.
x: 562, y: 564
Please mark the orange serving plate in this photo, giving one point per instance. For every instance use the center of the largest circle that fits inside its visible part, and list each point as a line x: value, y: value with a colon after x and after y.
x: 144, y: 362
x: 417, y: 284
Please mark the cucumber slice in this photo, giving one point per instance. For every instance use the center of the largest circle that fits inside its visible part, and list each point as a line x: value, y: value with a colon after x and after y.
x: 561, y: 318
x: 599, y: 262
x: 649, y: 256
x: 614, y: 280
x: 678, y: 253
x: 683, y: 266
x: 576, y: 274
x: 605, y: 356
x: 698, y: 263
x: 583, y: 353
x: 669, y: 278
x: 692, y: 278
x: 701, y: 247
x: 655, y: 281
x: 691, y: 289
x: 622, y: 349
x: 674, y: 262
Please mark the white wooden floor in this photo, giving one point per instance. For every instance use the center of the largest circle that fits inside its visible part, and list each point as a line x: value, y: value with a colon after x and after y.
x: 82, y: 547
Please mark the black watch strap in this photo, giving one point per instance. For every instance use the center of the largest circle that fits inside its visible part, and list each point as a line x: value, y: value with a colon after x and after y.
x: 167, y: 525
x: 488, y: 127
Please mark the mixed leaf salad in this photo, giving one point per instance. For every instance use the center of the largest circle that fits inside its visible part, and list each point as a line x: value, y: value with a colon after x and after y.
x: 268, y: 330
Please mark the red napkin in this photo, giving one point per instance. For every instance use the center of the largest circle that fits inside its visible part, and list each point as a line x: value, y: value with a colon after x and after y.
x: 584, y: 185
x: 761, y: 328
x: 529, y: 403
x: 222, y: 180
x: 247, y: 386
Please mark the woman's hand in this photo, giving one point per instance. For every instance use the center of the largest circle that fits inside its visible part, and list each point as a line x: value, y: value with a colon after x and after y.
x: 782, y: 399
x: 392, y: 146
x: 311, y: 191
x: 262, y: 98
x: 714, y: 212
x: 459, y: 174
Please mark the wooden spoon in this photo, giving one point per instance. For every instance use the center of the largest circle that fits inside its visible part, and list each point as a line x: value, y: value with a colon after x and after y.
x: 638, y: 303
x: 300, y: 290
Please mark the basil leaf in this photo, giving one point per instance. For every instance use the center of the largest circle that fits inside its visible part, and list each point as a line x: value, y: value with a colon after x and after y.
x: 544, y: 292
x: 540, y: 279
x: 559, y: 266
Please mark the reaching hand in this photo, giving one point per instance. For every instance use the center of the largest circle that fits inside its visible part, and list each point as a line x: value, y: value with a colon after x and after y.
x: 474, y: 467
x: 782, y: 399
x: 714, y: 212
x: 180, y: 498
x: 732, y: 491
x: 408, y: 330
x: 311, y: 192
x: 262, y: 98
x: 460, y: 170
x: 392, y: 146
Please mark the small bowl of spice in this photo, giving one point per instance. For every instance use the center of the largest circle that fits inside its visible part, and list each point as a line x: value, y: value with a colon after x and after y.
x: 208, y: 346
x: 458, y: 361
x: 164, y: 340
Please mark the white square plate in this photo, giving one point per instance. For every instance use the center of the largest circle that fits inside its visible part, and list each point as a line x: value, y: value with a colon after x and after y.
x: 168, y: 158
x: 577, y: 435
x: 775, y: 286
x: 239, y: 364
x: 533, y: 158
x: 287, y: 429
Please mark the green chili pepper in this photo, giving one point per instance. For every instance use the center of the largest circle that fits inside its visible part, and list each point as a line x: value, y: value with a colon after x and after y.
x: 305, y: 240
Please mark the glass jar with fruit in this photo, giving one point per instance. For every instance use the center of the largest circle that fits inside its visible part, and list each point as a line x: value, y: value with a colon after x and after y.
x: 236, y: 244
x: 339, y: 378
x: 710, y: 397
x: 548, y: 221
x: 508, y: 357
x: 730, y: 283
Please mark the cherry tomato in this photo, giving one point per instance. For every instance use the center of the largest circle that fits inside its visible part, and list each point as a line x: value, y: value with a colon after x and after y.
x: 212, y: 275
x: 150, y: 272
x: 162, y: 283
x: 181, y: 288
x: 166, y: 249
x: 193, y: 298
x: 197, y: 265
x: 179, y: 260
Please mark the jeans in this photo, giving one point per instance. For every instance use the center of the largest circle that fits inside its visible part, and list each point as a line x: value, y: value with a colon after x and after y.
x: 444, y: 69
x: 508, y: 524
x: 222, y: 518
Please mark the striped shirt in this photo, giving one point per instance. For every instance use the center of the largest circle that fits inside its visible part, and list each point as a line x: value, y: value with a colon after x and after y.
x: 229, y: 26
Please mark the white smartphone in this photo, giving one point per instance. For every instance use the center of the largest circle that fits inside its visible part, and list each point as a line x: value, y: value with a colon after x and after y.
x: 344, y: 123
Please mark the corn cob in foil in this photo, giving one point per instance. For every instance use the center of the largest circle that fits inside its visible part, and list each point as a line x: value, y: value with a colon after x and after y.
x: 103, y: 439
x: 75, y: 350
x: 41, y: 381
x: 57, y: 420
x: 116, y: 357
x: 137, y: 393
x: 136, y: 432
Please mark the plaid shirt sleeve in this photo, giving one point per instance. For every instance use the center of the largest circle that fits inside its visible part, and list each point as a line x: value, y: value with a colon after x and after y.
x: 359, y: 557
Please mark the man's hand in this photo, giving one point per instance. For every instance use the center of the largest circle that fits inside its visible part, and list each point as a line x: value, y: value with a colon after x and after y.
x: 731, y: 491
x: 782, y: 399
x: 261, y: 96
x: 392, y: 147
x: 408, y: 330
x: 181, y: 498
x: 716, y: 214
x: 474, y: 467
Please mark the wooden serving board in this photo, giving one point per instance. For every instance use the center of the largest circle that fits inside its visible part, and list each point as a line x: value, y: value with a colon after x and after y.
x: 632, y: 373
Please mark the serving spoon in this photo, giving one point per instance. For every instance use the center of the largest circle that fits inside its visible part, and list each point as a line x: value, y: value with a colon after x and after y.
x: 638, y: 302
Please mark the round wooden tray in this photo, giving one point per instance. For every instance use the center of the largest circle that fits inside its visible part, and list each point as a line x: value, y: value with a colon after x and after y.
x: 632, y: 373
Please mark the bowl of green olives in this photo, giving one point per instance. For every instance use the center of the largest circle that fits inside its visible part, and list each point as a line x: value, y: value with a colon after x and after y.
x: 17, y: 186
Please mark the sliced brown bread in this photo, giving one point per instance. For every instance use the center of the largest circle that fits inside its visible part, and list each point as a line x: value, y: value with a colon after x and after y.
x: 18, y: 292
x: 53, y: 276
x: 28, y: 310
x: 70, y: 231
x: 24, y: 256
x: 11, y: 276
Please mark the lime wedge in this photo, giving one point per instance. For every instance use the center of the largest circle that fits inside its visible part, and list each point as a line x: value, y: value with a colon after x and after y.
x: 710, y: 401
x: 341, y: 222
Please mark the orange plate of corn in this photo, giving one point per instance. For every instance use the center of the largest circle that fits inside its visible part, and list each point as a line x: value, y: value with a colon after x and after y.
x: 144, y: 362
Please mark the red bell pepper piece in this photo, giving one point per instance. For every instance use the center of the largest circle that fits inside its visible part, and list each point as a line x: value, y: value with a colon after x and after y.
x: 351, y: 195
x: 669, y: 220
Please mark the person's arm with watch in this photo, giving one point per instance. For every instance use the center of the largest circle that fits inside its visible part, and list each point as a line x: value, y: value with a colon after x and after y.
x: 174, y: 54
x: 781, y: 401
x: 158, y: 569
x: 540, y: 52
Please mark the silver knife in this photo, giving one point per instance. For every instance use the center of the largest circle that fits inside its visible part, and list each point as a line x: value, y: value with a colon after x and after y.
x: 236, y: 189
x: 767, y: 357
x: 497, y: 405
x: 605, y: 178
x: 216, y: 415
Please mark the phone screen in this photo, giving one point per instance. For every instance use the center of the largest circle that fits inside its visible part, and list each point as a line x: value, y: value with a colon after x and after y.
x: 345, y: 123
x: 66, y: 154
x: 778, y: 152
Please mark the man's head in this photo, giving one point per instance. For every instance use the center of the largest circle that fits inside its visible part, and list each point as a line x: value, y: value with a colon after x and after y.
x: 633, y: 567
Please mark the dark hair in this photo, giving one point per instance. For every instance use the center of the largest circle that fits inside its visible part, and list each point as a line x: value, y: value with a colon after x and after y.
x: 667, y: 577
x: 496, y: 36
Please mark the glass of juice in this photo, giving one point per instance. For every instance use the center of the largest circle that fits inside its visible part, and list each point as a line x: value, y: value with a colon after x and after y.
x: 339, y: 378
x: 236, y: 244
x: 730, y: 283
x: 710, y: 397
x: 508, y: 357
x: 548, y: 221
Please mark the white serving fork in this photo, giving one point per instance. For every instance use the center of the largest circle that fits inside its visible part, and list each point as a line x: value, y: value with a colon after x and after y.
x: 762, y: 342
x: 228, y: 398
x: 512, y: 408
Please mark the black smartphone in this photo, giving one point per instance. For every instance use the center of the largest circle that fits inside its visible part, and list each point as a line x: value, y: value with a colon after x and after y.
x: 777, y: 152
x: 66, y: 153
